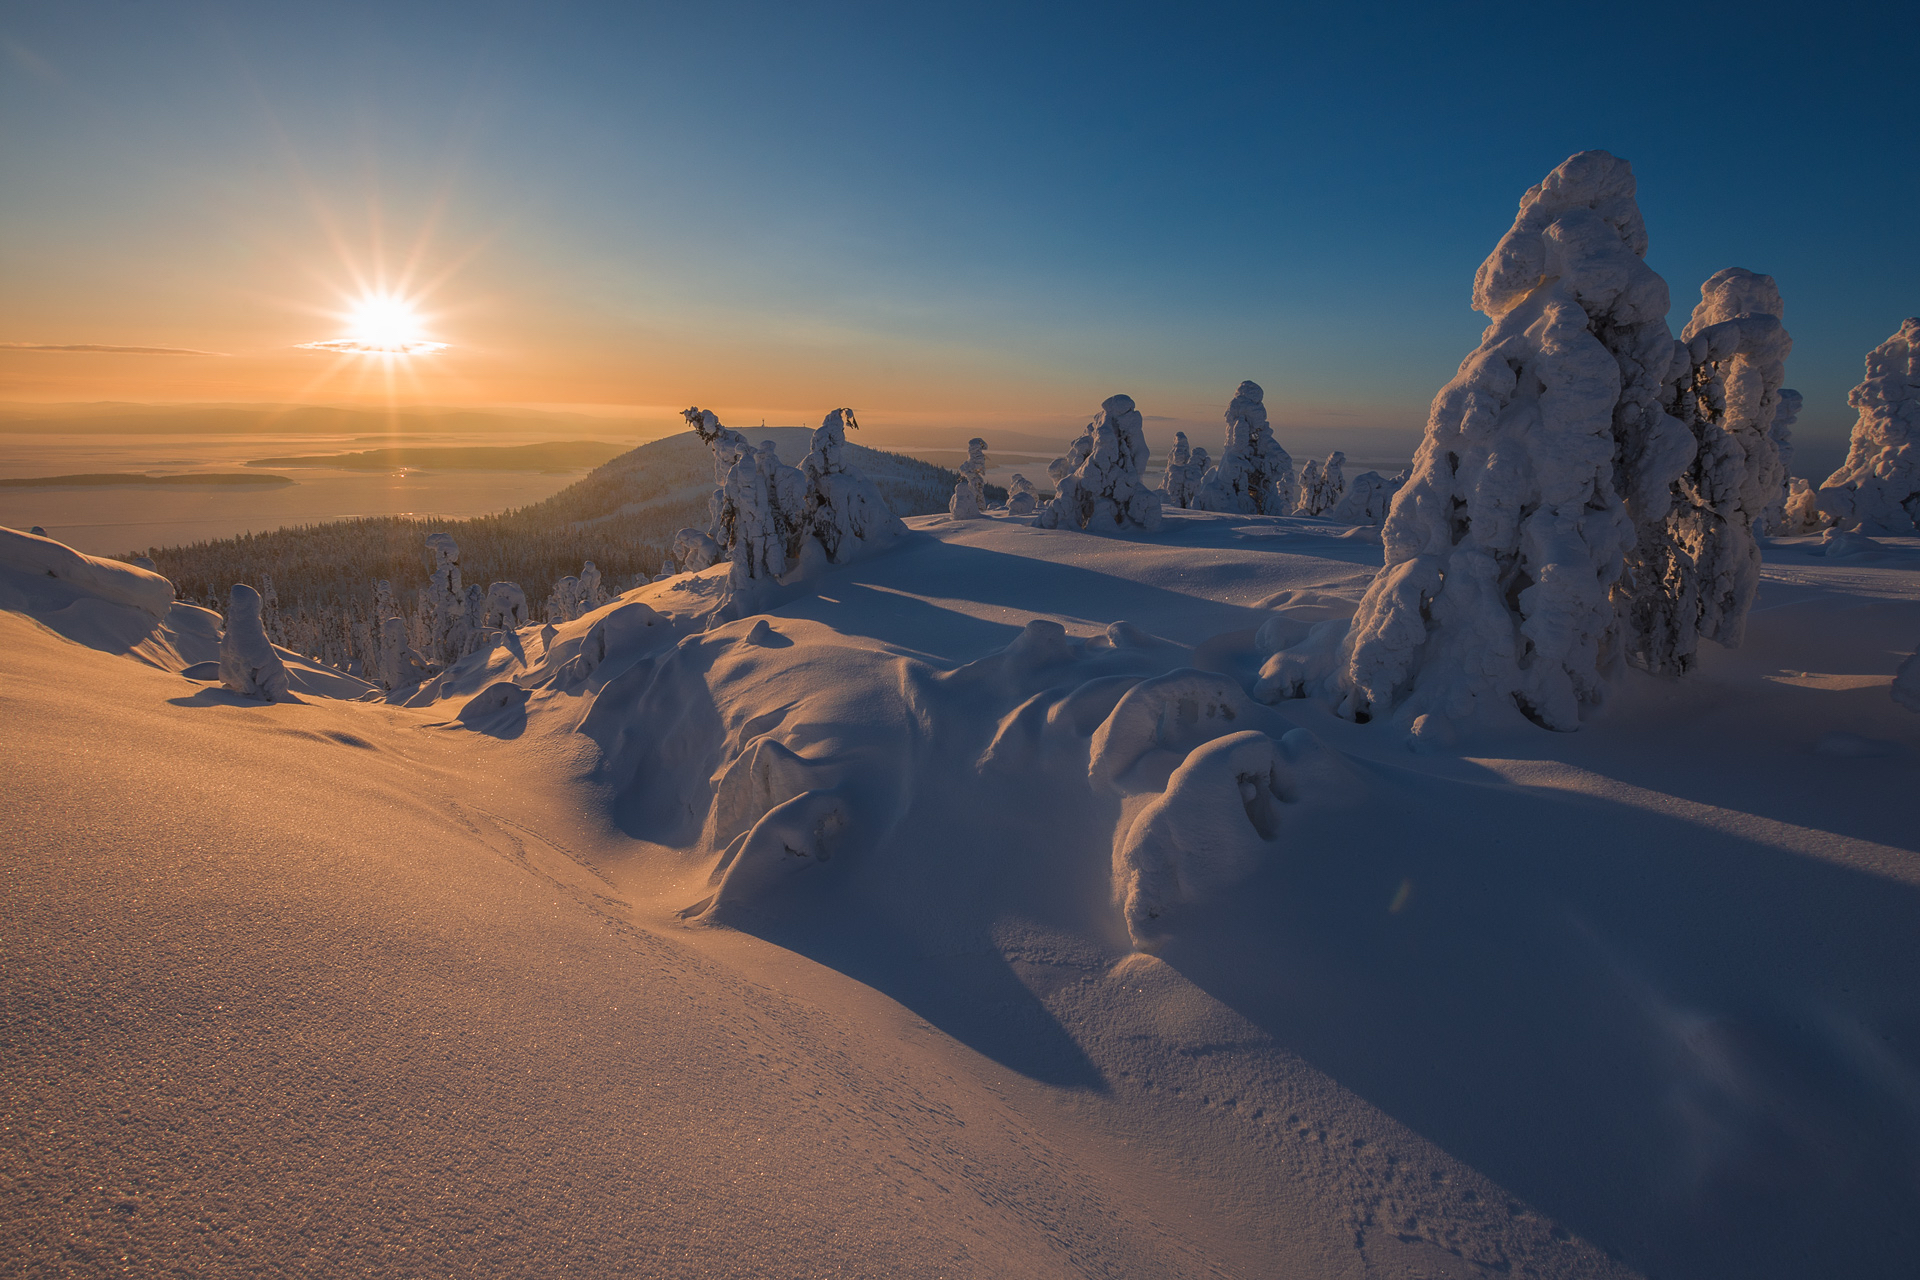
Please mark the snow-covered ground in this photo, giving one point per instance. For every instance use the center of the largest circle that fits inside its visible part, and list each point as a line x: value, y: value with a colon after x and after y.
x: 957, y: 912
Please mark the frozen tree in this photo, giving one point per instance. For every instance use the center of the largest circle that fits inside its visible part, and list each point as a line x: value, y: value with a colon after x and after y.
x: 1107, y: 490
x: 1696, y: 575
x: 248, y: 663
x: 1321, y: 485
x: 1786, y: 412
x: 755, y: 549
x: 729, y: 448
x: 1021, y: 499
x: 592, y: 593
x: 1077, y: 453
x: 1800, y: 514
x: 1877, y: 490
x: 695, y: 550
x: 443, y: 602
x: 787, y: 492
x: 666, y: 569
x: 1504, y: 548
x: 1367, y: 499
x: 400, y: 666
x: 844, y: 509
x: 1181, y: 486
x: 1906, y: 682
x: 974, y: 471
x: 565, y: 601
x: 964, y: 506
x: 506, y: 608
x: 1254, y: 475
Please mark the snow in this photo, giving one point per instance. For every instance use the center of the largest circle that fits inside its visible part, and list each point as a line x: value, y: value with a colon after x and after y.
x: 1503, y: 550
x: 1877, y: 489
x: 1906, y: 682
x: 1022, y: 500
x: 1322, y: 485
x: 1367, y: 498
x: 248, y: 664
x: 41, y: 556
x: 974, y: 471
x: 1697, y: 576
x: 939, y: 919
x: 1254, y: 475
x: 506, y: 607
x: 965, y: 504
x: 1100, y: 485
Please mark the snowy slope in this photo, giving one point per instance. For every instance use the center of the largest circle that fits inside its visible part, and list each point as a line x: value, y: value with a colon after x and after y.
x: 790, y: 944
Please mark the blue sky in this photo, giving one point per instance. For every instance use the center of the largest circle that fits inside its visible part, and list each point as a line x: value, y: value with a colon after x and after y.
x: 978, y: 213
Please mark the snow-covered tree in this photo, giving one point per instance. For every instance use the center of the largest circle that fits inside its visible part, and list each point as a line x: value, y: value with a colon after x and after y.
x: 964, y: 505
x: 1504, y: 548
x: 1877, y: 490
x: 1107, y: 490
x: 565, y: 601
x: 400, y: 666
x: 592, y: 593
x: 974, y: 471
x: 1181, y: 486
x: 443, y: 602
x: 1369, y: 496
x: 1322, y: 485
x: 1906, y: 682
x: 695, y: 550
x: 1254, y: 475
x: 1021, y: 498
x: 506, y: 607
x: 248, y: 663
x: 1696, y: 575
x: 1786, y: 412
x: 844, y: 509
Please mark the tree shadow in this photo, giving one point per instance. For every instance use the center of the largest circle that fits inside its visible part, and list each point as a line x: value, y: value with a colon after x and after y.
x: 220, y: 696
x: 1696, y: 1049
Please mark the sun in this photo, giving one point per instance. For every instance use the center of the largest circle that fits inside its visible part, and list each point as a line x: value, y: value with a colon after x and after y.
x: 383, y: 324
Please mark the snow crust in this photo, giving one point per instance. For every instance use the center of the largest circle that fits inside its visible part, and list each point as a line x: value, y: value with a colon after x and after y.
x: 1100, y: 484
x: 1877, y: 489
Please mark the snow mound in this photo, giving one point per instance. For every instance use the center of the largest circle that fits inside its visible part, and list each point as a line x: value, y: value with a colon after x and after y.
x: 41, y: 556
x: 1906, y: 682
x: 1877, y: 489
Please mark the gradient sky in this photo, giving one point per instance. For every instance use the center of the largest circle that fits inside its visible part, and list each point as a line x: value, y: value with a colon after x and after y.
x: 961, y: 215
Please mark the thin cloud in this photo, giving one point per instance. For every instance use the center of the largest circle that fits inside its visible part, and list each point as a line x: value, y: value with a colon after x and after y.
x: 100, y: 347
x: 356, y: 347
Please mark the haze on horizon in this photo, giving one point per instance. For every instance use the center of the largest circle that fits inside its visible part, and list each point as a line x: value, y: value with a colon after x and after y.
x: 980, y: 218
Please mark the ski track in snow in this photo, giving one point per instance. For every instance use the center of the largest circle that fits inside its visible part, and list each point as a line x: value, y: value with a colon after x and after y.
x: 583, y: 980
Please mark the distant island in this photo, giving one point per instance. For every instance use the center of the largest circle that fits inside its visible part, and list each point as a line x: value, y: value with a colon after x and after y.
x: 104, y: 478
x: 558, y: 455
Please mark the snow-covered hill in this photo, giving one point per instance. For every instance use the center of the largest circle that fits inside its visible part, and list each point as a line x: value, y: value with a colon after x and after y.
x: 958, y: 912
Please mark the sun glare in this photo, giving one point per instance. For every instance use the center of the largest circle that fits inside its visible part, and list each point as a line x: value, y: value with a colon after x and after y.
x: 384, y: 324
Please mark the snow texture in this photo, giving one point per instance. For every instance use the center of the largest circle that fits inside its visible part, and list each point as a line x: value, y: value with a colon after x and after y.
x: 506, y: 608
x: 1021, y: 498
x: 126, y: 584
x: 1504, y: 548
x: 1877, y: 490
x: 248, y: 664
x: 1105, y: 491
x: 1368, y: 497
x: 1254, y: 475
x: 1696, y: 575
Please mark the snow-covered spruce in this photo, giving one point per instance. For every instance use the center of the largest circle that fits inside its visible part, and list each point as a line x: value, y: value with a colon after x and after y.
x: 1877, y: 490
x: 1254, y: 475
x: 1021, y: 498
x: 1504, y: 548
x: 1368, y: 498
x: 1800, y: 514
x: 506, y: 607
x: 844, y: 509
x: 1906, y: 682
x: 1107, y: 489
x: 593, y: 593
x: 1181, y: 486
x: 1785, y: 413
x: 248, y: 664
x: 443, y: 601
x: 1696, y: 575
x: 695, y: 549
x: 1322, y: 485
x: 974, y: 471
x: 400, y: 666
x: 964, y: 505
